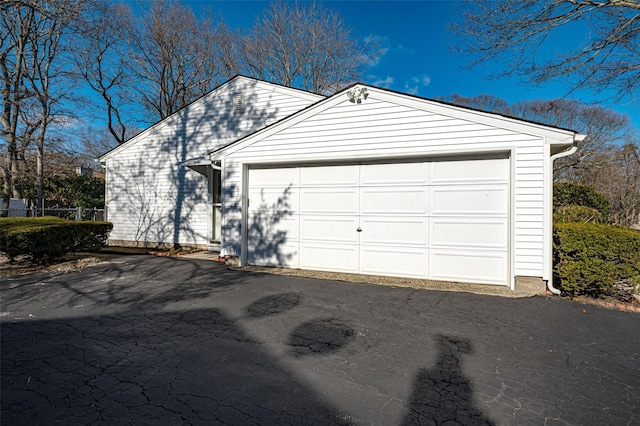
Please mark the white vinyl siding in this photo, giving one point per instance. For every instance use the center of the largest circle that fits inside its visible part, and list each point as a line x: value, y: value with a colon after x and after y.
x: 231, y: 198
x: 529, y: 207
x: 382, y: 129
x: 144, y: 206
x: 151, y: 196
x: 366, y: 130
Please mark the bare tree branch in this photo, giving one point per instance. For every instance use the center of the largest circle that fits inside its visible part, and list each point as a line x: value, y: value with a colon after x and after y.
x: 101, y: 59
x: 305, y: 46
x: 32, y: 69
x: 178, y: 57
x: 522, y: 32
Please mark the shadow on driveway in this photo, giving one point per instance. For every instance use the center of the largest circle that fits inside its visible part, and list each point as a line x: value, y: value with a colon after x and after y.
x: 146, y: 340
x: 160, y: 368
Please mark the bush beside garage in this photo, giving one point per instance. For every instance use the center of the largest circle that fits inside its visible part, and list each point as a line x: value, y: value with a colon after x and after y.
x: 592, y: 257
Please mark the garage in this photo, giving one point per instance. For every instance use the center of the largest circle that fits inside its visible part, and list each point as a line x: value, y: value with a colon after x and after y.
x: 372, y: 181
x: 440, y: 219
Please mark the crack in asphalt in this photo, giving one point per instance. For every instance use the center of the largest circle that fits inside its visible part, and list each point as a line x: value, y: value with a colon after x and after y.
x: 154, y: 341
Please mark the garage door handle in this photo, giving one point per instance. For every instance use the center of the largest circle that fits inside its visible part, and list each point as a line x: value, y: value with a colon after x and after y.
x: 359, y: 229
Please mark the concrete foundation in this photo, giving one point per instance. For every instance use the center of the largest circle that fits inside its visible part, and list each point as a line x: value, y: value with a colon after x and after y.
x: 232, y: 261
x: 154, y: 245
x: 535, y: 285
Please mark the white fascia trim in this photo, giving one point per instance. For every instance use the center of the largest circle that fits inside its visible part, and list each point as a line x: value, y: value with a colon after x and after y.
x: 244, y: 224
x: 222, y: 213
x: 512, y: 219
x: 288, y: 90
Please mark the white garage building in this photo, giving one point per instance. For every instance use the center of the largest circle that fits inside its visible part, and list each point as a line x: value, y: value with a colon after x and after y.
x: 377, y: 182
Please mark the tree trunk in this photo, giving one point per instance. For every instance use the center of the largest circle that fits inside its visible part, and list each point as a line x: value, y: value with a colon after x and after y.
x: 8, y: 186
x: 16, y: 184
x: 40, y: 163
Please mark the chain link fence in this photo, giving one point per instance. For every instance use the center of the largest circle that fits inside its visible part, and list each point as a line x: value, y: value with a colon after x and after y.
x: 73, y: 213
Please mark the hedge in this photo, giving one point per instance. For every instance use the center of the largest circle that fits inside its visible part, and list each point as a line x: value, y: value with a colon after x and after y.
x: 573, y: 194
x: 580, y: 214
x: 49, y: 238
x: 595, y: 260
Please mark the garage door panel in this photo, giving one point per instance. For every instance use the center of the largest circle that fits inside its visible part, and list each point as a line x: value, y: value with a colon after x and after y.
x: 469, y: 201
x: 283, y: 255
x: 274, y: 199
x: 468, y: 266
x: 394, y: 174
x: 394, y: 230
x: 329, y: 201
x: 468, y: 233
x: 329, y: 257
x: 471, y: 171
x: 398, y: 201
x: 442, y: 220
x: 400, y: 261
x: 340, y: 229
x: 329, y: 176
x: 283, y: 177
x: 272, y: 226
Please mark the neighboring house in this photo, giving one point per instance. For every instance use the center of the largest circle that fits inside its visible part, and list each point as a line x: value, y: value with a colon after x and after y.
x: 17, y: 207
x: 88, y: 171
x: 366, y: 181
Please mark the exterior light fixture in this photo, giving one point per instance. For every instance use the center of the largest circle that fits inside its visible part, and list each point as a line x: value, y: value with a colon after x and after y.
x: 357, y: 95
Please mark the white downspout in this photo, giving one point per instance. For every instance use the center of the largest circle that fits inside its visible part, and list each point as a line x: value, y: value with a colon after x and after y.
x: 573, y: 149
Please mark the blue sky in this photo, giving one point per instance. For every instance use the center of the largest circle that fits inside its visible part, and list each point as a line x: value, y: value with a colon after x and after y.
x: 418, y: 59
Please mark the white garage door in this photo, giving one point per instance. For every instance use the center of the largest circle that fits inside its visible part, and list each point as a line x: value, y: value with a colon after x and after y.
x: 441, y: 220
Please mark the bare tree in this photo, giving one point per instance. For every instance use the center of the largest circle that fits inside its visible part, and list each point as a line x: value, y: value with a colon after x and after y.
x: 32, y: 46
x: 14, y: 31
x: 44, y: 68
x: 305, y: 46
x: 97, y: 140
x: 522, y: 32
x: 616, y: 173
x: 101, y: 58
x: 177, y: 56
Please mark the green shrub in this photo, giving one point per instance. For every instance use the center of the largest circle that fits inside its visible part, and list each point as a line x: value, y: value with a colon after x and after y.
x: 573, y: 194
x: 49, y: 238
x: 594, y: 259
x: 580, y: 214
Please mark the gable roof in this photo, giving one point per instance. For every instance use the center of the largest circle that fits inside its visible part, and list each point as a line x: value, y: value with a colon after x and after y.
x: 553, y: 135
x: 222, y: 88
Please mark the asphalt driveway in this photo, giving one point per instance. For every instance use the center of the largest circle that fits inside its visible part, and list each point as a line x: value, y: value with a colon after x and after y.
x: 149, y: 340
